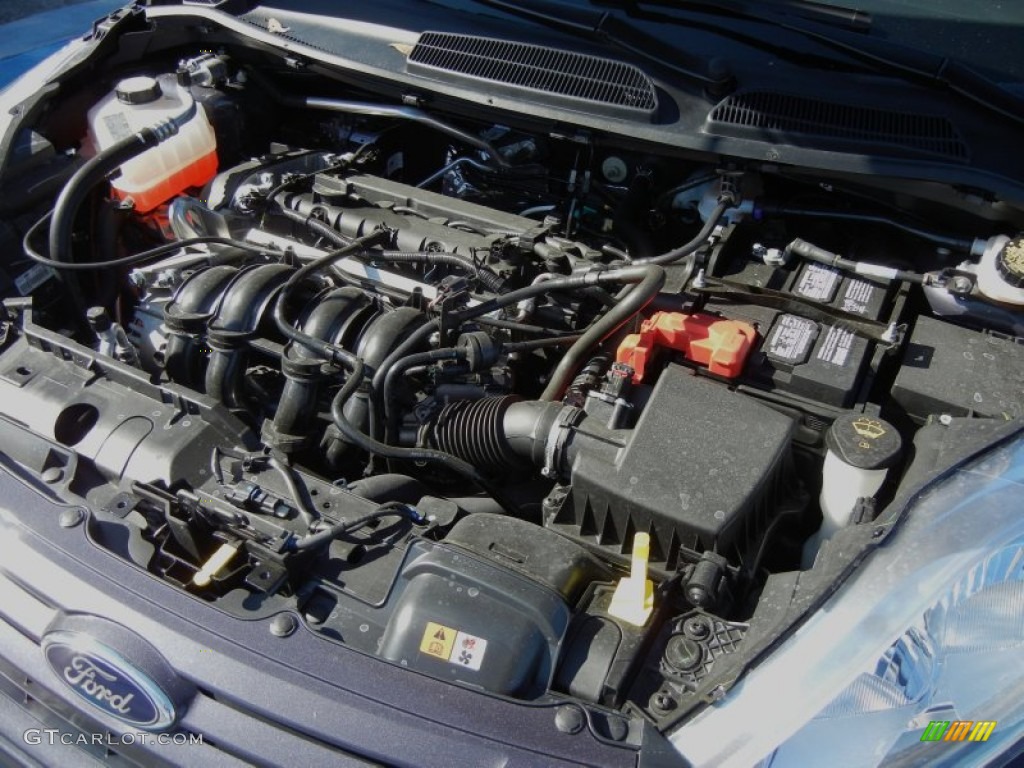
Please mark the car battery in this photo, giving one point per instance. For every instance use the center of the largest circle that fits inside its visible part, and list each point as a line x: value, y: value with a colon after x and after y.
x: 809, y: 357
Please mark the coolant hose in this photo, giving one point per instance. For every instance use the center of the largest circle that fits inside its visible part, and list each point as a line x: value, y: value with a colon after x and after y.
x: 92, y: 173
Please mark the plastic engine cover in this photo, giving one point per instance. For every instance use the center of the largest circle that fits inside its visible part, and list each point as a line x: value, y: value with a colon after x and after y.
x: 462, y: 618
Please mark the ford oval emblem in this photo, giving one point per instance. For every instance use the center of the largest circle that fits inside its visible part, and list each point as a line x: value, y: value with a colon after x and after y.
x: 101, y: 676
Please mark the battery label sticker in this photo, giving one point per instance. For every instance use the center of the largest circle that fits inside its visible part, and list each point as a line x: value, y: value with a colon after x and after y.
x: 453, y: 646
x: 836, y: 346
x: 791, y: 339
x: 818, y: 282
x: 857, y: 298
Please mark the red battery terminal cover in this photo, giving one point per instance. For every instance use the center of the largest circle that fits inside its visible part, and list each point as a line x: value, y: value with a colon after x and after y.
x: 721, y: 345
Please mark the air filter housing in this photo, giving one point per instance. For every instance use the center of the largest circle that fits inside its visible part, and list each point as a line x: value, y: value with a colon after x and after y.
x: 563, y: 79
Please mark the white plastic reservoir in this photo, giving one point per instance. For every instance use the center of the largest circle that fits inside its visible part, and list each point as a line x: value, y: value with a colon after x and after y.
x: 861, y: 449
x: 187, y: 159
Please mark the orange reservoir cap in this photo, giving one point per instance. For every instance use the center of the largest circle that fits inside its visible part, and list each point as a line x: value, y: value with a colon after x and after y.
x: 721, y: 345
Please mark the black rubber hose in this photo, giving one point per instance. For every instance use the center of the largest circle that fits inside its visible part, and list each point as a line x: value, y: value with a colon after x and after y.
x: 810, y: 252
x: 377, y: 415
x: 648, y: 280
x: 356, y: 371
x: 323, y: 348
x: 397, y: 370
x: 95, y: 170
x: 532, y: 344
x: 690, y: 247
x: 135, y: 258
x: 487, y: 277
x: 315, y: 225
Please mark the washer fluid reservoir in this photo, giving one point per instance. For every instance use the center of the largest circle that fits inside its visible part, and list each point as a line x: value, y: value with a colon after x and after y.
x: 187, y: 159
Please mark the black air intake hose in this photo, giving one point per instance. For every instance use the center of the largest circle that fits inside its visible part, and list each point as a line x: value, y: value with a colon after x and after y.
x: 498, y: 434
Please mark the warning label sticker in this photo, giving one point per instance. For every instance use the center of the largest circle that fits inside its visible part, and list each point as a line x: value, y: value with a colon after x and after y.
x: 438, y: 641
x: 836, y: 346
x: 818, y: 282
x: 468, y: 651
x: 453, y: 646
x: 857, y: 298
x: 791, y: 338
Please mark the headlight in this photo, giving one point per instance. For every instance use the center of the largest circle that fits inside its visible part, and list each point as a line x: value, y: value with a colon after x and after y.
x: 929, y: 629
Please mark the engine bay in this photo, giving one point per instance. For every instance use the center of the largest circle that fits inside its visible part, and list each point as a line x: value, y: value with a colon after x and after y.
x: 522, y: 410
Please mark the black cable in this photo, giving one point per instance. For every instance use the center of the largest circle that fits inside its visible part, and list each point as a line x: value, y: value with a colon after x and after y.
x: 291, y: 480
x: 327, y: 535
x: 487, y: 277
x: 135, y: 258
x: 810, y: 252
x: 691, y: 247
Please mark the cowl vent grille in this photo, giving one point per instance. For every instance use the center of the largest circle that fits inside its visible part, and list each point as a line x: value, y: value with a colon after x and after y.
x: 541, y: 74
x: 785, y: 117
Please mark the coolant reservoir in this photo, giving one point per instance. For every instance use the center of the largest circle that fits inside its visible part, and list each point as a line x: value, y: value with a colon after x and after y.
x: 187, y: 159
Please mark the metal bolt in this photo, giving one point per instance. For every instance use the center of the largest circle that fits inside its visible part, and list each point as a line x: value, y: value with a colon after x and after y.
x: 52, y: 475
x: 283, y: 625
x: 945, y: 419
x: 682, y: 653
x: 69, y: 518
x: 662, y: 702
x: 569, y: 719
x: 697, y: 628
x: 960, y: 285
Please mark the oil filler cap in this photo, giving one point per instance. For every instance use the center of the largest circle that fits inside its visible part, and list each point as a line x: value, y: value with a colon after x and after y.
x: 138, y: 90
x: 865, y: 442
x: 1010, y: 262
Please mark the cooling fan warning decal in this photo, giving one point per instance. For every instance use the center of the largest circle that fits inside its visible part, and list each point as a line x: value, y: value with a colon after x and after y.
x: 453, y: 646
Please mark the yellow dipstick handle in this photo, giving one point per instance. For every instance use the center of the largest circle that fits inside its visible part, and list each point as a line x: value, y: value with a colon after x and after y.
x: 214, y: 565
x: 633, y: 600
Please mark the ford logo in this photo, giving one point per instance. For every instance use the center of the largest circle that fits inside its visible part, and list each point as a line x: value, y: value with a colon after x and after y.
x: 101, y: 676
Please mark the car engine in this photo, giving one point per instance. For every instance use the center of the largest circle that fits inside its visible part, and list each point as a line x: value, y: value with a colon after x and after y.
x: 511, y: 405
